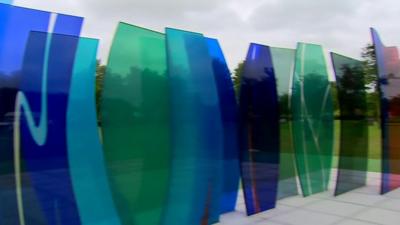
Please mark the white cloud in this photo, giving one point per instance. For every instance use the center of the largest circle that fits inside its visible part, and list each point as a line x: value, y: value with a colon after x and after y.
x: 341, y: 25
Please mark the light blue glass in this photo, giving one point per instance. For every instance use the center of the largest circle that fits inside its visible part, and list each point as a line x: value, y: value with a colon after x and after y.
x: 196, y: 131
x: 6, y: 1
x: 85, y: 155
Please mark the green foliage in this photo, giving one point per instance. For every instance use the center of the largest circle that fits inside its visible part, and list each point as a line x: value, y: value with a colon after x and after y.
x: 100, y: 73
x: 237, y: 77
x: 371, y: 77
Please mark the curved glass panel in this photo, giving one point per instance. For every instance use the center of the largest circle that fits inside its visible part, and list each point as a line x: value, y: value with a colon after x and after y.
x: 283, y: 61
x: 13, y: 40
x: 135, y: 124
x: 312, y: 110
x: 18, y: 59
x: 259, y: 129
x: 389, y: 84
x: 197, y: 139
x: 42, y: 100
x: 86, y: 161
x: 353, y: 153
x: 229, y: 110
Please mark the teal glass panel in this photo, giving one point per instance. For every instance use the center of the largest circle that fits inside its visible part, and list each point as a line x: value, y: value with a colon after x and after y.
x: 283, y: 62
x: 388, y: 61
x: 85, y: 153
x: 313, y: 125
x: 135, y: 124
x: 229, y: 112
x: 197, y: 139
x: 353, y: 152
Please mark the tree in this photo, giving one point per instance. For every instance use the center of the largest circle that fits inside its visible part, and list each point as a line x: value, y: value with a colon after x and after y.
x: 100, y: 73
x: 370, y: 66
x: 237, y: 76
x: 371, y: 76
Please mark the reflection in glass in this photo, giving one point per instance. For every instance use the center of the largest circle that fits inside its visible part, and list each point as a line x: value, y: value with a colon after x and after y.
x: 389, y: 85
x: 353, y: 153
x: 229, y: 111
x: 259, y: 129
x: 135, y: 124
x: 85, y: 153
x: 283, y: 61
x: 42, y: 103
x: 312, y: 111
x: 13, y: 40
x: 22, y: 63
x: 197, y: 141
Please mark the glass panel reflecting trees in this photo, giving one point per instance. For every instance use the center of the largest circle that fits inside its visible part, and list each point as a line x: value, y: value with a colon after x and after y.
x: 353, y: 153
x: 135, y: 124
x: 283, y: 61
x: 312, y: 111
x: 197, y: 133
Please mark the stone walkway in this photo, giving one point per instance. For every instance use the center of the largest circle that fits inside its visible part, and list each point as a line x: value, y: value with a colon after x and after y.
x: 361, y: 206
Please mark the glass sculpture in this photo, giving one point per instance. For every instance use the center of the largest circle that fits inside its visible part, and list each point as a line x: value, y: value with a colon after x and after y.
x: 197, y: 133
x: 283, y: 61
x: 229, y: 111
x: 85, y: 152
x: 135, y: 124
x: 27, y: 59
x: 259, y: 130
x: 312, y: 111
x: 353, y: 153
x: 40, y: 145
x: 388, y: 62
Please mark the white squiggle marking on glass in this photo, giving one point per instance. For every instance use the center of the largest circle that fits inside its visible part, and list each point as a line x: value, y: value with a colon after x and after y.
x: 39, y: 133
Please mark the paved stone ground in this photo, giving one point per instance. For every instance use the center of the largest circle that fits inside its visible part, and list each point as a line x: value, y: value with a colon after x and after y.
x: 361, y: 206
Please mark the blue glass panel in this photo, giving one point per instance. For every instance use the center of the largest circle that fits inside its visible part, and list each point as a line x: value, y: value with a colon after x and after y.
x: 15, y: 26
x: 389, y: 85
x: 259, y: 129
x: 43, y: 101
x: 86, y: 159
x: 229, y: 111
x: 197, y: 141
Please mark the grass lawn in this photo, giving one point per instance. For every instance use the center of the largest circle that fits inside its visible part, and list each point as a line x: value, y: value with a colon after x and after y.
x: 374, y: 151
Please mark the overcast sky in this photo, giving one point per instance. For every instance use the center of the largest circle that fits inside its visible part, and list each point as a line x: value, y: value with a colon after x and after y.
x: 339, y: 25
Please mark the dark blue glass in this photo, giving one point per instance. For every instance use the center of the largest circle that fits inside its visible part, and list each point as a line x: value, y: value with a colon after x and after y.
x: 43, y: 99
x: 197, y: 141
x: 229, y: 111
x: 259, y: 130
x: 388, y: 62
x: 16, y: 24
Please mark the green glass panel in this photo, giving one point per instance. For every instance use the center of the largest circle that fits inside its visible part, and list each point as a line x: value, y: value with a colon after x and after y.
x: 313, y: 125
x: 283, y: 60
x: 135, y: 124
x: 353, y: 153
